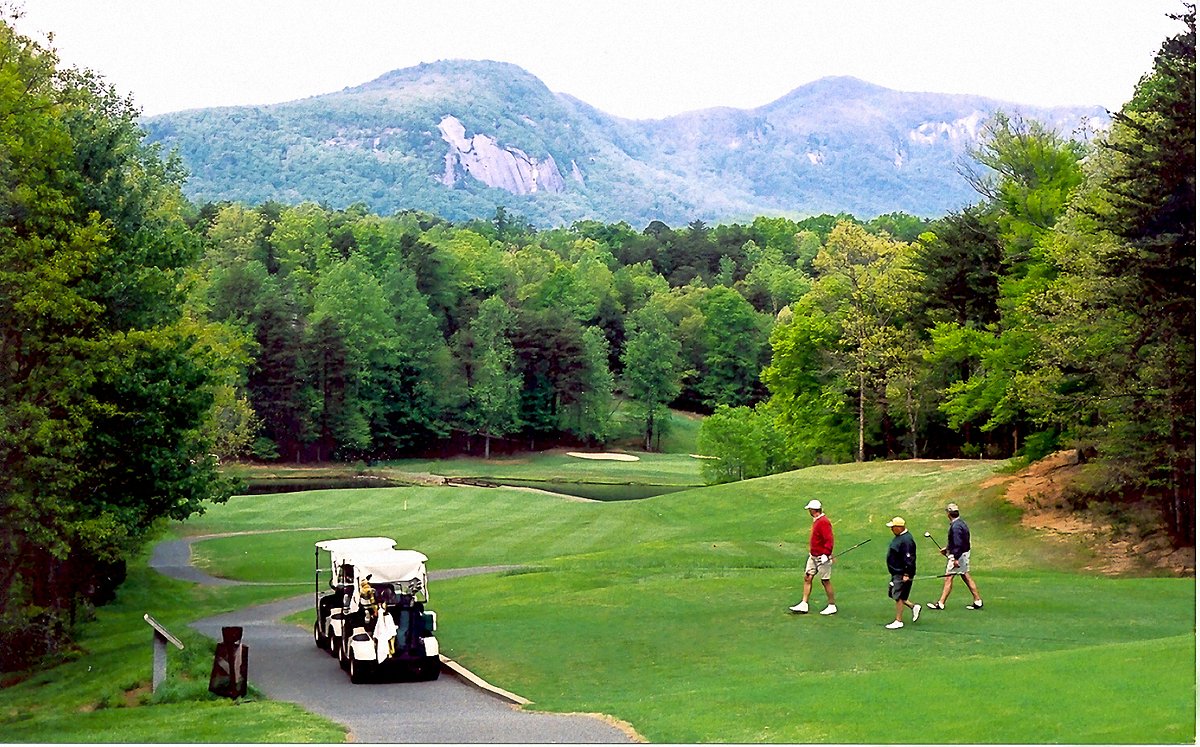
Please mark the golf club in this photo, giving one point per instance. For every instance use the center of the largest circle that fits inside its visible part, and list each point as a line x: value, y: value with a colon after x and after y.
x: 931, y: 539
x: 848, y: 549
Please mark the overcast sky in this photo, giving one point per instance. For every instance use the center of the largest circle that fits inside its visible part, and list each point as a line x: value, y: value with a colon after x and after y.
x: 632, y: 58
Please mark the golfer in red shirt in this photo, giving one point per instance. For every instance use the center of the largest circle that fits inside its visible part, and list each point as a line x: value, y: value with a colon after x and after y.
x: 820, y: 564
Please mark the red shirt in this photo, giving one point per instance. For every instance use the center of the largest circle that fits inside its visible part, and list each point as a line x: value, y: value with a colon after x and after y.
x: 821, y: 541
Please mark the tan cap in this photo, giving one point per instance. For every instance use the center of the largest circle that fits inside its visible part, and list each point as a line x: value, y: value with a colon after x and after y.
x: 896, y: 522
x: 952, y: 507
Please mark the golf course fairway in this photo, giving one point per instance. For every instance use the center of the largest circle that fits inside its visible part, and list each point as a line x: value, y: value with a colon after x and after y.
x: 670, y: 613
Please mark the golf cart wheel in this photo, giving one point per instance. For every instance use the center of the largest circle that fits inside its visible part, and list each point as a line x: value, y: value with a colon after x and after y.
x: 333, y: 644
x: 430, y: 668
x: 344, y: 653
x: 321, y: 641
x: 360, y: 671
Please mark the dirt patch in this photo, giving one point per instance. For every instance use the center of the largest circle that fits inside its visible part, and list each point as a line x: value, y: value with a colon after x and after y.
x: 137, y: 696
x: 424, y: 479
x: 1039, y: 489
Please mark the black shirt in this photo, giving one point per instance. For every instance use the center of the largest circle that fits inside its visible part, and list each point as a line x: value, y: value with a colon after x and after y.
x: 902, y: 555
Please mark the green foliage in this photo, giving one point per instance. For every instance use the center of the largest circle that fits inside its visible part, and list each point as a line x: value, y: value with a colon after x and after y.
x: 351, y: 335
x: 807, y: 389
x: 732, y: 336
x: 590, y: 416
x: 494, y: 389
x: 98, y: 353
x: 960, y: 262
x: 1115, y: 360
x: 740, y: 443
x: 1059, y: 311
x: 652, y: 368
x: 866, y: 288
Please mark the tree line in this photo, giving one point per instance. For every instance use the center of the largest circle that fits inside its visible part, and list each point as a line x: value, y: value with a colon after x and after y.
x: 144, y: 338
x: 1058, y: 311
x: 370, y: 337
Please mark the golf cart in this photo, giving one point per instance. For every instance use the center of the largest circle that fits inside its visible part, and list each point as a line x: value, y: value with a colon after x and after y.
x: 373, y: 617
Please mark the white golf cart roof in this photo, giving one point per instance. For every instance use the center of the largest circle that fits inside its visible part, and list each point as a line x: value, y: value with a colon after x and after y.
x: 357, y: 544
x: 390, y: 566
x: 346, y: 550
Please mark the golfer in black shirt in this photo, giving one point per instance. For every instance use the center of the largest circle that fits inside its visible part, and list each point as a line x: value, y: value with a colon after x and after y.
x: 902, y: 565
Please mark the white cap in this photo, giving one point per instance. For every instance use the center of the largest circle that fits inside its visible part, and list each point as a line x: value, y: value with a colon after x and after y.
x: 814, y: 503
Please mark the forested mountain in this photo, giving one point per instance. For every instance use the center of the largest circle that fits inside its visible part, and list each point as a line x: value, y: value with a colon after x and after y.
x: 459, y: 138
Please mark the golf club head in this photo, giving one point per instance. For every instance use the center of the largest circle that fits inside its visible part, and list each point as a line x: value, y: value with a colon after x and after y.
x: 927, y: 534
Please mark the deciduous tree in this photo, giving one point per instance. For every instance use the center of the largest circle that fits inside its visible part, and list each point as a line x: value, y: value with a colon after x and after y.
x: 652, y: 375
x: 106, y: 387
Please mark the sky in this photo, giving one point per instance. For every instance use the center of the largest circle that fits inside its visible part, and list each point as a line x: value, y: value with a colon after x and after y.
x: 640, y: 59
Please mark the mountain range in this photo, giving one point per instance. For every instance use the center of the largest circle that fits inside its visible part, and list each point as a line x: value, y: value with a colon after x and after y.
x: 458, y: 138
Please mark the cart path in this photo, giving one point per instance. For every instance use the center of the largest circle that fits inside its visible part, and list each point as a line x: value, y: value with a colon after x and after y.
x: 285, y: 665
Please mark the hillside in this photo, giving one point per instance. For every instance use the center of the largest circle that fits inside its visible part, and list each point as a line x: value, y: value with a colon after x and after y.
x: 458, y: 138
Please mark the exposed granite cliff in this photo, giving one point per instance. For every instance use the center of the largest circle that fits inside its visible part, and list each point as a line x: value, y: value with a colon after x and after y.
x: 505, y: 167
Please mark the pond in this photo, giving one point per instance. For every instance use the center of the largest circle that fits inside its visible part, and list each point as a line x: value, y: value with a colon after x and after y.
x: 597, y: 491
x: 591, y: 490
x: 262, y: 485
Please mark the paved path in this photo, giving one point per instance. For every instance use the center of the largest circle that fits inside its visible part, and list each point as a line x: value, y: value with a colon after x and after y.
x: 285, y: 665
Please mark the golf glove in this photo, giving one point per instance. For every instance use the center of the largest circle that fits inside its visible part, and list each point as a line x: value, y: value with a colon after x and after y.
x: 823, y: 559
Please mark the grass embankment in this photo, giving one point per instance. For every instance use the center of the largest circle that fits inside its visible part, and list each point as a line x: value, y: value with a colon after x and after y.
x: 669, y: 613
x: 103, y: 693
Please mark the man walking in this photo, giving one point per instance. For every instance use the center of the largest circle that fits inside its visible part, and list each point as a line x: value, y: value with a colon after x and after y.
x: 958, y: 560
x: 820, y: 562
x: 902, y: 565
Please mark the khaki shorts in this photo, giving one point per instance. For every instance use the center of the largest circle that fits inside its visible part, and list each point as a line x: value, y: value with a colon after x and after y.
x: 821, y: 570
x: 964, y: 564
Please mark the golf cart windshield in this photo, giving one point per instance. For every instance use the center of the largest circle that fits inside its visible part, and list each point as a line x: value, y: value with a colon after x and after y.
x: 390, y: 566
x: 401, y: 570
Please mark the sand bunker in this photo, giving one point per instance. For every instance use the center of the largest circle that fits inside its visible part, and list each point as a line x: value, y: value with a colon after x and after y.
x: 610, y: 457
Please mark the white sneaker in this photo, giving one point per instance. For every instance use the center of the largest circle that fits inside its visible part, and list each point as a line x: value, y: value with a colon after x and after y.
x: 830, y: 610
x: 801, y: 608
x: 916, y: 612
x: 894, y: 625
x: 975, y: 605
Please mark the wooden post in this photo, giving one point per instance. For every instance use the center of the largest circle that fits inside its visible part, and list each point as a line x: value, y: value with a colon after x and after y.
x: 161, y: 636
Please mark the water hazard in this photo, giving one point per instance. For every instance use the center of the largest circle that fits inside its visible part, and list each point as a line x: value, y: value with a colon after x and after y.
x: 589, y: 490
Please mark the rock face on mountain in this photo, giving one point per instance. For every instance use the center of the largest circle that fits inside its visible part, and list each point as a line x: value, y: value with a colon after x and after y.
x: 459, y: 138
x: 507, y: 168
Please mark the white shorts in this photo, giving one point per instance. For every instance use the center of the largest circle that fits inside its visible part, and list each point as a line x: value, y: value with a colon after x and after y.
x: 964, y: 564
x: 820, y: 570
